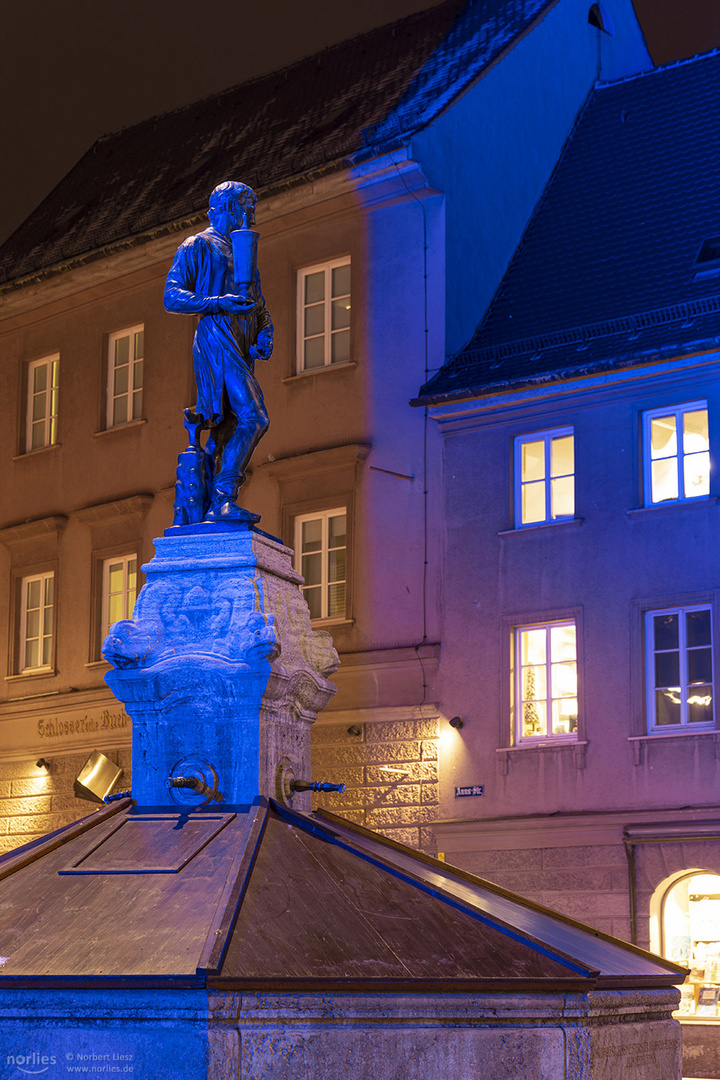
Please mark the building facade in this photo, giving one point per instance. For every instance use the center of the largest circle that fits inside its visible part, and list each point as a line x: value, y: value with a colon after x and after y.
x: 580, y: 637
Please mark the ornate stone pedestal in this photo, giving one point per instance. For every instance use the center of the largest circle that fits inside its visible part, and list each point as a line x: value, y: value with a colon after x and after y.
x: 219, y: 668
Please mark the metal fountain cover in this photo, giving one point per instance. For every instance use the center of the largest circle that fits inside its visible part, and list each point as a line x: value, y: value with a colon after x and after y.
x: 263, y: 897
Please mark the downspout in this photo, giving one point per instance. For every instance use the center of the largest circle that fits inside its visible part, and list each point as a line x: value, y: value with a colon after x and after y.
x: 426, y: 413
x: 632, y: 886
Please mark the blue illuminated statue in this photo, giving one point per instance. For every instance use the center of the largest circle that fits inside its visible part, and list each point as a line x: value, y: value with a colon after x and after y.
x: 214, y: 275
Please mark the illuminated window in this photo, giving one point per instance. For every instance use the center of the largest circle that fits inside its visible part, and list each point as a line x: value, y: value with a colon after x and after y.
x: 125, y: 376
x: 545, y: 681
x: 320, y: 553
x: 37, y: 602
x: 42, y: 403
x: 544, y: 477
x: 323, y: 315
x: 677, y: 453
x: 679, y: 669
x: 119, y: 590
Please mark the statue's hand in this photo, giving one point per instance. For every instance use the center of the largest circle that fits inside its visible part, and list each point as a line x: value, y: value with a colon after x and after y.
x: 236, y: 305
x: 263, y: 347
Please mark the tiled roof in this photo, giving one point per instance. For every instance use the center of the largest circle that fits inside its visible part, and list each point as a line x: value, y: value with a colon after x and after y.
x: 350, y: 100
x: 605, y: 274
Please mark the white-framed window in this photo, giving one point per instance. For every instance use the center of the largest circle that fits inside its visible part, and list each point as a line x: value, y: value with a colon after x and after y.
x: 545, y: 681
x: 42, y: 403
x: 323, y: 313
x: 676, y: 453
x: 125, y: 375
x: 544, y: 476
x: 119, y: 590
x: 679, y: 676
x: 321, y: 558
x: 37, y: 611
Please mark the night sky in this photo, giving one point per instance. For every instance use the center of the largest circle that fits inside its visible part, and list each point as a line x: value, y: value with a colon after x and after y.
x: 75, y: 69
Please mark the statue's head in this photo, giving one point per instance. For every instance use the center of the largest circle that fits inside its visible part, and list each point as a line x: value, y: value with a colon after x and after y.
x: 231, y: 205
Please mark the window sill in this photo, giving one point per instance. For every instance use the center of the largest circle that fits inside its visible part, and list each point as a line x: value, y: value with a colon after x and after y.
x: 320, y: 371
x: 639, y: 742
x: 578, y: 747
x: 104, y: 665
x: 320, y: 624
x: 541, y: 526
x: 118, y: 427
x: 671, y: 505
x: 32, y: 673
x: 39, y: 450
x: 684, y: 1018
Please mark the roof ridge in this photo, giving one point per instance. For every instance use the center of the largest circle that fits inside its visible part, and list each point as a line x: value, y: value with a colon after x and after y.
x: 658, y: 70
x: 395, y: 125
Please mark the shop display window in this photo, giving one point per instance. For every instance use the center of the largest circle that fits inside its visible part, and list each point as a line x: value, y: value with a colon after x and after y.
x: 690, y: 919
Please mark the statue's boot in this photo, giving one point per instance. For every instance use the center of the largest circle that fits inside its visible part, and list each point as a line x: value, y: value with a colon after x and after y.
x: 224, y: 506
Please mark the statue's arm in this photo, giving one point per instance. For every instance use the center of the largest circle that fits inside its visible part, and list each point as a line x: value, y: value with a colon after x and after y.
x: 181, y: 293
x: 181, y: 288
x: 262, y: 348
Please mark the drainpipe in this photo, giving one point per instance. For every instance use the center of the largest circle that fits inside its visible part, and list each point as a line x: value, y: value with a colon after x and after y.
x: 632, y: 885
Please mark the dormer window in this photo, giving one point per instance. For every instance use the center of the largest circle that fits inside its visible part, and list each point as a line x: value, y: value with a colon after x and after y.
x: 707, y: 263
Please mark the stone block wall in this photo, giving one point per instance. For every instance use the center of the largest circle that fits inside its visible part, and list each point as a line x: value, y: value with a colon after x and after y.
x: 586, y: 883
x: 590, y: 883
x: 35, y: 801
x: 390, y: 772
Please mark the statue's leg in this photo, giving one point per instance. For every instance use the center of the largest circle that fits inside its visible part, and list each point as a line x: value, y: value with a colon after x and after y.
x: 221, y: 434
x: 235, y: 444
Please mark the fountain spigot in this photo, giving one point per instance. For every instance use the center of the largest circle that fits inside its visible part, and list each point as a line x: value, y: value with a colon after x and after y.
x: 309, y: 785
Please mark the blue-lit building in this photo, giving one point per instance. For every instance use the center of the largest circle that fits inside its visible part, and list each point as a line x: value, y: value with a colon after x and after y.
x: 581, y: 435
x: 396, y: 174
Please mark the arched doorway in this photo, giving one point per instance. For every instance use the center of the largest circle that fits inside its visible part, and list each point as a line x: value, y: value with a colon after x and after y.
x: 685, y: 927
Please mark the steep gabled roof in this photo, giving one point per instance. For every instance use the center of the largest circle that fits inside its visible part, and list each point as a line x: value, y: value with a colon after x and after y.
x: 607, y: 273
x: 353, y: 99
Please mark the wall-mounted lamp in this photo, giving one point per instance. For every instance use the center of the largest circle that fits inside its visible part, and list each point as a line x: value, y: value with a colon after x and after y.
x: 41, y: 763
x: 354, y: 729
x: 457, y: 722
x: 97, y: 778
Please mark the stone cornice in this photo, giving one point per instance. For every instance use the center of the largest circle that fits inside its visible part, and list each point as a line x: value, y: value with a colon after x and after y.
x: 33, y: 530
x: 101, y: 513
x: 315, y: 461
